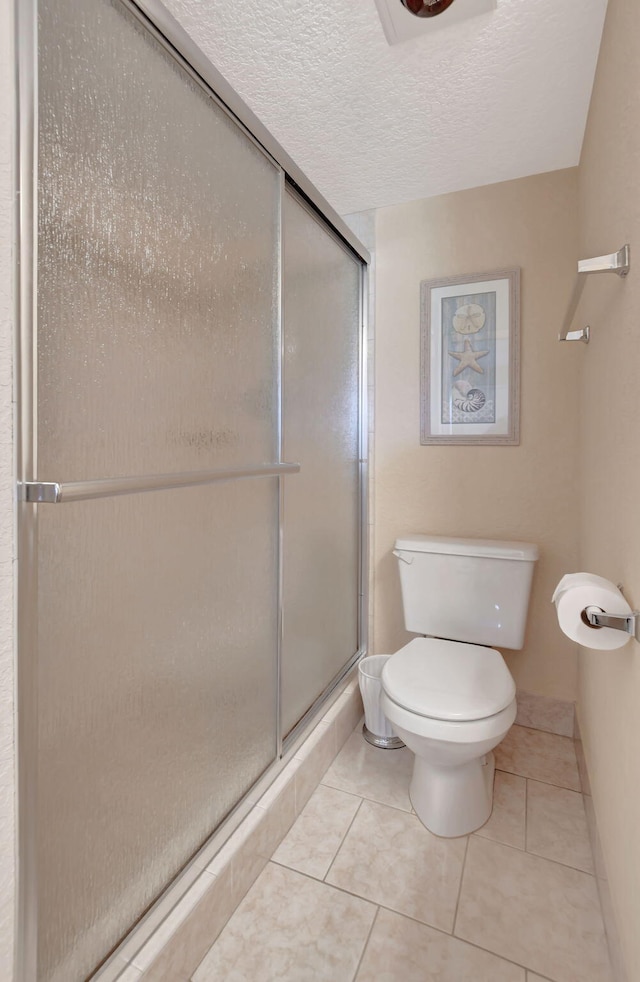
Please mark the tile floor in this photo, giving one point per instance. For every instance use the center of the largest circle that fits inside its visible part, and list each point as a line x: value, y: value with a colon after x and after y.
x: 360, y: 891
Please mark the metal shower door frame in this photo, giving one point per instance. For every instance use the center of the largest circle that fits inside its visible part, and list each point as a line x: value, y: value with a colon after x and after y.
x: 156, y: 18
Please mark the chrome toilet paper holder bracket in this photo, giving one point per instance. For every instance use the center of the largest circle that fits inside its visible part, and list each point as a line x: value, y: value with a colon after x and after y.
x: 629, y: 623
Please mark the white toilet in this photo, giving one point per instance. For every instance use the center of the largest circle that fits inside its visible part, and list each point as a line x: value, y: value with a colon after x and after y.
x: 449, y: 698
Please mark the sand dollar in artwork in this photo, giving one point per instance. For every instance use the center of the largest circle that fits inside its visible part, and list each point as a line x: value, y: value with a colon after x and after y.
x: 469, y: 318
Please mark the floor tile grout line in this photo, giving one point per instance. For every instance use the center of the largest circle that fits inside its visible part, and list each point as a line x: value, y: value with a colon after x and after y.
x: 398, y: 913
x: 553, y: 784
x: 294, y: 869
x: 489, y: 838
x: 524, y: 852
x: 487, y: 951
x: 416, y: 920
x: 454, y: 937
x: 500, y: 842
x: 366, y: 944
x: 530, y: 852
x: 486, y: 838
x: 342, y: 840
x: 547, y: 784
x: 358, y: 896
x: 561, y: 737
x: 536, y: 729
x: 539, y: 855
x: 324, y: 883
x: 330, y: 787
x: 375, y: 801
x: 409, y: 917
x: 576, y: 869
x: 562, y: 787
x: 464, y: 863
x: 348, y: 893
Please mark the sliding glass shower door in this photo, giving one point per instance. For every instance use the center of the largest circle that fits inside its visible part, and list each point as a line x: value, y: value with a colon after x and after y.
x: 157, y: 354
x: 322, y: 296
x: 186, y: 603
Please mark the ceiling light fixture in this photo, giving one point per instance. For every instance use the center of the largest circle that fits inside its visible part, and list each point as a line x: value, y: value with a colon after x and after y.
x: 426, y: 8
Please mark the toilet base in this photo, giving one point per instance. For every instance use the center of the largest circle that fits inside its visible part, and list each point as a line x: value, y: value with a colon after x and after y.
x: 382, y: 742
x: 453, y: 801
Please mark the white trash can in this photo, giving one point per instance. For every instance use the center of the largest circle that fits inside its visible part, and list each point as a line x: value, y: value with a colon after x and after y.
x: 377, y: 729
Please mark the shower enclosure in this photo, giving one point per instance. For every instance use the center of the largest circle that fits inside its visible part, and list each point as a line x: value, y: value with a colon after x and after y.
x: 192, y: 466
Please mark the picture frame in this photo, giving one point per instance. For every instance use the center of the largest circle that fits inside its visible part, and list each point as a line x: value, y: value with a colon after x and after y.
x: 470, y: 359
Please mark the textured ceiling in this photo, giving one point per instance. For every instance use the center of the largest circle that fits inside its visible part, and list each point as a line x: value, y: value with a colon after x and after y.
x: 500, y: 96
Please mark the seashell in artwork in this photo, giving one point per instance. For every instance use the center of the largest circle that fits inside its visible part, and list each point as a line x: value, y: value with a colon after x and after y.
x: 462, y: 386
x: 467, y: 399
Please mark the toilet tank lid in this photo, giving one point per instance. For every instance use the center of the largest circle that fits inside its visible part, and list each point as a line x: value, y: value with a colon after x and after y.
x: 488, y: 548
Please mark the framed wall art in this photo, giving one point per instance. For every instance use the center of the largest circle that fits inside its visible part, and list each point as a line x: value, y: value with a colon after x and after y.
x: 470, y: 379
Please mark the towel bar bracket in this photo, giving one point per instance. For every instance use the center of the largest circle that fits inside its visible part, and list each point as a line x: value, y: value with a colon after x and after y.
x: 584, y: 335
x: 617, y: 262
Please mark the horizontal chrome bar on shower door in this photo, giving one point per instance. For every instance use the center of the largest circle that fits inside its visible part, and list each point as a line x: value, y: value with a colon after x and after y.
x: 53, y: 493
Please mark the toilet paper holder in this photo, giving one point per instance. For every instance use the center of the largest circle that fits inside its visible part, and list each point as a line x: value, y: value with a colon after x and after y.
x: 597, y: 618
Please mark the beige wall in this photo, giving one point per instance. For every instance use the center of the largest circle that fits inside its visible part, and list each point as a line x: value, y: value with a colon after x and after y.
x: 609, y: 684
x: 527, y: 492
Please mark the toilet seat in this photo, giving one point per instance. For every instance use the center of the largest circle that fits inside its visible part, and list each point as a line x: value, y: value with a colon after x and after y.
x: 465, y: 732
x: 449, y: 681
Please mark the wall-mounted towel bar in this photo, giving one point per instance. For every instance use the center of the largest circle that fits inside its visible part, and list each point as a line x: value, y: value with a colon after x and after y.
x: 617, y: 262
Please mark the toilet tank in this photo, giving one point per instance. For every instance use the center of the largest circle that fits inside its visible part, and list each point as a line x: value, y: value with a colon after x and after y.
x: 474, y: 590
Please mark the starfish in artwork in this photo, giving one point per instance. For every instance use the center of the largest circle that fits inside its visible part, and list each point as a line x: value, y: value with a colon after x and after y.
x: 468, y: 359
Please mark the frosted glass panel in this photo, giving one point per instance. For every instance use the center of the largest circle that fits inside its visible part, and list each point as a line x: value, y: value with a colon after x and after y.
x: 157, y: 697
x: 321, y: 505
x: 158, y: 261
x: 158, y: 344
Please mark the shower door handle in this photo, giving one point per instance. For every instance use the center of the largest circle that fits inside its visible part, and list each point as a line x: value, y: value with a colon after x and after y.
x: 54, y: 493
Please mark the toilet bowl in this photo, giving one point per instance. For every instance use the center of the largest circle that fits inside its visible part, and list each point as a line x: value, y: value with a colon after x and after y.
x: 447, y: 695
x: 451, y: 703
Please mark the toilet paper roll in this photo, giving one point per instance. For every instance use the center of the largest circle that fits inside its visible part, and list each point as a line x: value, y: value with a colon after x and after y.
x: 573, y: 594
